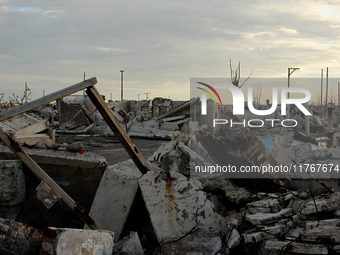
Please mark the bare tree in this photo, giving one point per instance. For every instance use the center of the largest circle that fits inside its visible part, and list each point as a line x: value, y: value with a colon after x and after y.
x: 236, y: 75
x: 257, y: 93
x: 15, y: 100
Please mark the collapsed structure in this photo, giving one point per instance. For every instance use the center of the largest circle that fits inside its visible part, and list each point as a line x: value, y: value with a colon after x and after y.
x: 165, y: 204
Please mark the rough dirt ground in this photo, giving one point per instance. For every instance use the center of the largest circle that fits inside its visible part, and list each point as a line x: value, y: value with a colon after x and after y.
x: 109, y: 147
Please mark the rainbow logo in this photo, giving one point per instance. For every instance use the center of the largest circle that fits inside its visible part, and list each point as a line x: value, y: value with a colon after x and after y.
x: 212, y: 89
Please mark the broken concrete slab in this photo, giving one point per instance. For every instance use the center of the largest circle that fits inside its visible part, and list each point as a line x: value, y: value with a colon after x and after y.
x: 267, y: 218
x: 129, y: 245
x: 322, y: 234
x: 264, y: 206
x: 275, y: 247
x: 234, y: 239
x: 63, y: 241
x: 177, y: 205
x: 227, y: 189
x: 115, y: 196
x: 330, y: 204
x: 200, y: 241
x: 321, y: 223
x: 252, y: 237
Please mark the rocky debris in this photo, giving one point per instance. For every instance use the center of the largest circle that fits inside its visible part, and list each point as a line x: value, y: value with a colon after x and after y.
x: 200, y: 241
x: 175, y: 156
x: 109, y: 210
x: 129, y: 245
x: 18, y: 238
x: 329, y: 204
x: 76, y: 241
x: 27, y: 129
x: 275, y: 247
x: 268, y: 218
x: 322, y: 234
x: 228, y: 190
x: 177, y: 205
x: 264, y: 206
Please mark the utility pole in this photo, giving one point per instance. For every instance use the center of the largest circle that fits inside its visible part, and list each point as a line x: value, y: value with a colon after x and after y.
x: 84, y: 80
x: 147, y: 98
x: 290, y: 71
x: 321, y: 87
x: 138, y: 96
x: 121, y: 84
x: 326, y: 90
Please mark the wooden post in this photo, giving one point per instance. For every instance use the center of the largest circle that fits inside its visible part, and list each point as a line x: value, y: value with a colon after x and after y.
x: 42, y: 175
x: 47, y: 99
x: 120, y: 133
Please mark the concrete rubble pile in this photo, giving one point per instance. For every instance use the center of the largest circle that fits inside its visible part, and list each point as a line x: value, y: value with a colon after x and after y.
x: 78, y: 115
x: 169, y: 209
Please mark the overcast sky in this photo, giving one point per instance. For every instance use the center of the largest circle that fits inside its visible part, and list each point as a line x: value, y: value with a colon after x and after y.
x: 162, y: 44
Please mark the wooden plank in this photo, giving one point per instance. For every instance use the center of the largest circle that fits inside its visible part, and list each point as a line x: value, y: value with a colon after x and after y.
x: 32, y: 139
x: 179, y: 108
x: 42, y: 175
x: 33, y: 129
x: 47, y: 99
x: 117, y: 129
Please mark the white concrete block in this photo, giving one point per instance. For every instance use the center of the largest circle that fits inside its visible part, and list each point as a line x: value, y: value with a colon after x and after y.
x: 115, y: 195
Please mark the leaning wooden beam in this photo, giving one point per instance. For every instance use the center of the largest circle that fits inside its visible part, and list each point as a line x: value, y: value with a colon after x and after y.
x: 117, y: 129
x: 40, y: 173
x: 179, y: 108
x: 47, y: 99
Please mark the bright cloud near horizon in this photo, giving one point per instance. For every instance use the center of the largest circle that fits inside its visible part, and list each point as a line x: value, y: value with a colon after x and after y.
x: 162, y: 44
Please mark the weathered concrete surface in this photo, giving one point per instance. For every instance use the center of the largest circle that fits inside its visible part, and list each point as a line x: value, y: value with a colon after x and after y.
x: 264, y: 206
x: 115, y: 196
x: 18, y: 238
x: 129, y: 245
x: 267, y: 218
x: 227, y: 189
x: 200, y: 241
x: 322, y: 234
x: 175, y: 156
x: 72, y: 171
x: 234, y: 239
x: 330, y: 204
x: 12, y: 183
x: 274, y: 247
x: 177, y: 205
x: 76, y: 241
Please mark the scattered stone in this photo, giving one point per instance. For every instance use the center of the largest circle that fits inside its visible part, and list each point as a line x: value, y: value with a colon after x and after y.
x: 18, y: 238
x: 253, y: 237
x: 297, y: 204
x: 234, y: 239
